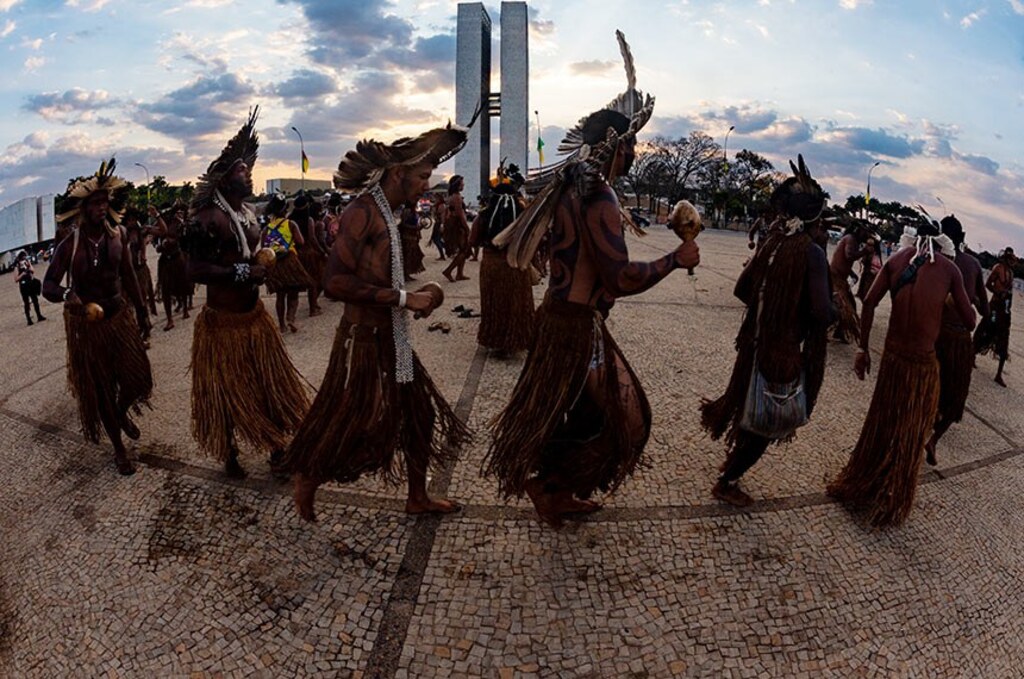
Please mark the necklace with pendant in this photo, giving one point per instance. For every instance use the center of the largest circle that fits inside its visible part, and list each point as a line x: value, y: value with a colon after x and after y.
x: 95, y: 250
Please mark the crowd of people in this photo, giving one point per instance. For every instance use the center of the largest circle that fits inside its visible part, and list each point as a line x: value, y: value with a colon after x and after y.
x: 578, y: 420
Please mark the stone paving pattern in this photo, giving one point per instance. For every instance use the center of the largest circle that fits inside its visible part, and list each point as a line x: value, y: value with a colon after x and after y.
x: 178, y: 572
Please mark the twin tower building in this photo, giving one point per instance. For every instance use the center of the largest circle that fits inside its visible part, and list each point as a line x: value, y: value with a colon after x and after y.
x: 473, y: 88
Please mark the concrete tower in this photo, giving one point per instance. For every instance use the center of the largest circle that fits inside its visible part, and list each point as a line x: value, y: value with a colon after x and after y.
x: 473, y: 88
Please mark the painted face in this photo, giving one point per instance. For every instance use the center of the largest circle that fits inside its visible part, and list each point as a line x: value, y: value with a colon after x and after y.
x: 628, y: 151
x: 95, y: 207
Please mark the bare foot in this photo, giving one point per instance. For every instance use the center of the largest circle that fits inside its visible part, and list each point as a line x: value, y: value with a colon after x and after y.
x: 571, y: 505
x: 429, y: 506
x: 315, y: 311
x: 460, y: 278
x: 930, y: 449
x: 999, y: 381
x: 293, y: 327
x: 130, y: 429
x: 543, y: 503
x: 124, y: 465
x: 185, y: 314
x: 448, y: 275
x: 305, y: 493
x: 232, y: 469
x: 731, y: 494
x: 169, y: 326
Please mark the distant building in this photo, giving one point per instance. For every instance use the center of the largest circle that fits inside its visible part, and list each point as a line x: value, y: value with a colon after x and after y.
x: 27, y: 222
x: 290, y: 186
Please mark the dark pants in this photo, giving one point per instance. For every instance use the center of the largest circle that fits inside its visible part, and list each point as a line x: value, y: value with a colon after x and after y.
x: 749, y: 449
x: 27, y: 297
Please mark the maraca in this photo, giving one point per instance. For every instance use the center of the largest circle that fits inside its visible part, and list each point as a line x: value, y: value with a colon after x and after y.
x: 93, y: 312
x: 685, y: 221
x: 436, y: 296
x: 265, y: 257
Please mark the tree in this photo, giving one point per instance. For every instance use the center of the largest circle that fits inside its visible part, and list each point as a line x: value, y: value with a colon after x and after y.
x: 750, y: 181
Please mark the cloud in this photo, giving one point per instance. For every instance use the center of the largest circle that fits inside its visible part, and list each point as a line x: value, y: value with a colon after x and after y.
x: 853, y: 4
x: 6, y: 5
x: 8, y: 28
x: 88, y: 5
x: 971, y: 18
x: 348, y: 30
x: 35, y: 45
x: 305, y: 84
x: 33, y: 64
x: 70, y: 107
x: 876, y: 141
x: 748, y: 118
x: 209, y: 104
x: 592, y: 67
x: 980, y: 164
x: 1017, y: 6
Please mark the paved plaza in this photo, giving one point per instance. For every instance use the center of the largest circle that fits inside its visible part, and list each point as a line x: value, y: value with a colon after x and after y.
x: 179, y: 572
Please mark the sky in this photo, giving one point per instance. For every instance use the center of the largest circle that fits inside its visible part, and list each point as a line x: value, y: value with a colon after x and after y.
x: 933, y: 90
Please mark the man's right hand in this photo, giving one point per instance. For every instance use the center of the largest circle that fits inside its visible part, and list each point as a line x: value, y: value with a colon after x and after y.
x: 750, y: 245
x: 420, y: 303
x: 862, y: 364
x: 257, y: 274
x: 688, y: 255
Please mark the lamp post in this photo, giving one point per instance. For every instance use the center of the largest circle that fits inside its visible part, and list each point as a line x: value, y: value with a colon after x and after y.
x: 147, y: 185
x: 945, y: 210
x: 725, y: 167
x: 302, y: 160
x: 867, y: 196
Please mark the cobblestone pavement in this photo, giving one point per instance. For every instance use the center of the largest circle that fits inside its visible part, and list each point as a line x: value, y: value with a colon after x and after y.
x: 179, y: 572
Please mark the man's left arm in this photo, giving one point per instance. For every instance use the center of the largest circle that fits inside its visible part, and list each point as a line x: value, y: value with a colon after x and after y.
x: 817, y: 286
x: 980, y: 298
x: 961, y: 302
x: 862, y: 360
x: 131, y: 283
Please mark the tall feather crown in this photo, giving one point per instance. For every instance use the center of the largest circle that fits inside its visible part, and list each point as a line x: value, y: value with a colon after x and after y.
x: 103, y: 180
x: 800, y: 195
x: 364, y: 166
x: 243, y: 147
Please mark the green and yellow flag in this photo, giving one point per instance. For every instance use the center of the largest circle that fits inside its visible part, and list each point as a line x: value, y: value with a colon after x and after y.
x: 305, y: 163
x: 540, y: 149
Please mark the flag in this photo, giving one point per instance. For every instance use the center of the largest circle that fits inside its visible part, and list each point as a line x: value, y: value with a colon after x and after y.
x: 540, y: 149
x: 305, y: 163
x: 867, y: 197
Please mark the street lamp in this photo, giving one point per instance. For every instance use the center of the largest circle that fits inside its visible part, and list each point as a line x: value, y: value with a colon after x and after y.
x: 945, y: 210
x: 147, y: 184
x: 725, y: 164
x: 302, y: 160
x: 867, y: 196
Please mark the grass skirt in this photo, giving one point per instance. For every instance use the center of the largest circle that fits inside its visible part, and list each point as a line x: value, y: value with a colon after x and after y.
x: 315, y: 264
x: 243, y: 383
x: 955, y: 352
x: 107, y: 368
x: 993, y: 333
x: 361, y: 417
x: 145, y: 278
x: 849, y: 321
x: 883, y: 467
x: 288, y: 275
x: 412, y: 255
x: 506, y: 305
x: 172, y: 272
x: 551, y: 429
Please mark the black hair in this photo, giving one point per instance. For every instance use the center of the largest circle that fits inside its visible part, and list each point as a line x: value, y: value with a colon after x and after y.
x: 952, y: 227
x: 276, y: 206
x: 595, y: 127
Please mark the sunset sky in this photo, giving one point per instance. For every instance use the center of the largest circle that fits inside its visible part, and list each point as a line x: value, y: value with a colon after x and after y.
x: 933, y: 90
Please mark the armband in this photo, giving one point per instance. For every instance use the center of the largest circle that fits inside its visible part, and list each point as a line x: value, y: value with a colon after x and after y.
x: 402, y: 297
x: 242, y: 273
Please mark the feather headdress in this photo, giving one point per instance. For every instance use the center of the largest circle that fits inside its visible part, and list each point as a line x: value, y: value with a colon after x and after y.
x: 799, y: 199
x: 103, y: 180
x: 243, y: 147
x: 581, y: 170
x: 364, y: 166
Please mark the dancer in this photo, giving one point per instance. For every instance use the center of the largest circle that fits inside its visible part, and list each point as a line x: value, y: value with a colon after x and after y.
x: 456, y: 230
x: 137, y: 244
x: 782, y: 342
x: 883, y: 467
x: 994, y: 334
x: 412, y: 255
x: 29, y: 286
x: 578, y: 419
x: 244, y: 386
x: 506, y: 296
x: 954, y: 347
x: 172, y: 267
x: 108, y: 371
x: 306, y: 214
x: 849, y: 250
x: 377, y: 400
x: 287, y: 277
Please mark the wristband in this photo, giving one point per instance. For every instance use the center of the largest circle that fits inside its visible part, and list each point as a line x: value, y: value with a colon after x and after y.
x: 402, y: 296
x: 241, y: 273
x: 67, y: 292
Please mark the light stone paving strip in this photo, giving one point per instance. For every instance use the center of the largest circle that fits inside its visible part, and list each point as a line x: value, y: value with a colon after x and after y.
x: 177, y: 572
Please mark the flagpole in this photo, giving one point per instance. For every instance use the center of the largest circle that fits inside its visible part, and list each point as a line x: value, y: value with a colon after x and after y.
x: 302, y: 150
x: 540, y: 142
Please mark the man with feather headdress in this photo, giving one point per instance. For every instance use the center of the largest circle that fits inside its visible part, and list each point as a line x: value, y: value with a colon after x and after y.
x: 108, y: 371
x: 377, y: 400
x: 244, y: 386
x: 578, y: 419
x: 782, y: 341
x: 883, y: 467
